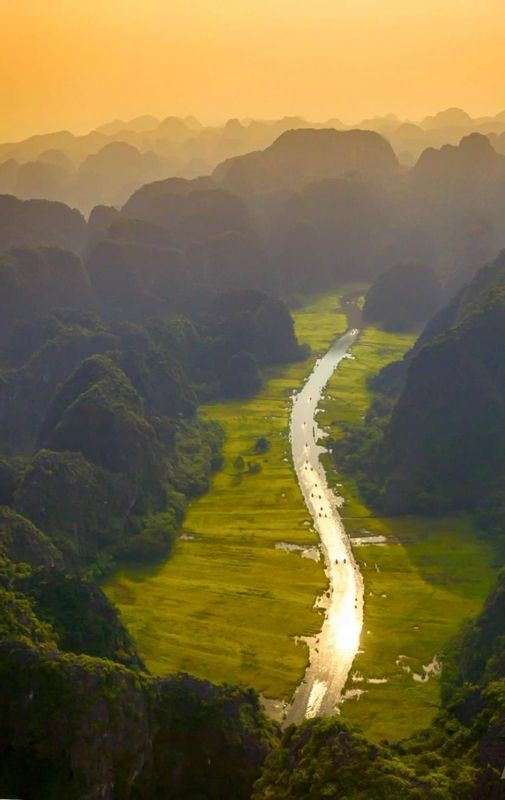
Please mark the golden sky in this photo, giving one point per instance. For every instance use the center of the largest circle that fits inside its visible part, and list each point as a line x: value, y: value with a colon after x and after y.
x: 77, y: 63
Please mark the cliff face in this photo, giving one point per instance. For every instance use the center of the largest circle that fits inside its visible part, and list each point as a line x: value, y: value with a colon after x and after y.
x: 80, y: 718
x: 444, y: 444
x: 79, y: 727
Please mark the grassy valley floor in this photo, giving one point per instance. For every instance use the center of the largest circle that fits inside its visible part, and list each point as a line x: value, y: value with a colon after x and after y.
x: 228, y: 605
x: 431, y: 574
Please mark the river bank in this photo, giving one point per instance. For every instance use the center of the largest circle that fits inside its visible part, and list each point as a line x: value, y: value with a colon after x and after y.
x: 235, y: 602
x: 236, y: 599
x: 333, y: 649
x: 423, y: 576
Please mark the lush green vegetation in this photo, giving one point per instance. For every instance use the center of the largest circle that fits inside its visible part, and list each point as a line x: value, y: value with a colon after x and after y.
x: 228, y: 604
x: 459, y: 756
x: 102, y: 448
x: 431, y: 574
x: 80, y: 727
x: 325, y: 759
x: 434, y: 441
x: 104, y: 360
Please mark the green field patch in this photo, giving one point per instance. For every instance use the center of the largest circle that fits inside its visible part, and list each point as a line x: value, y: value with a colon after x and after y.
x: 228, y: 605
x: 432, y: 573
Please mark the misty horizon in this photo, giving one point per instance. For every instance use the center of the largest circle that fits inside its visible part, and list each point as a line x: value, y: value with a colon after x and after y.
x: 347, y: 122
x: 69, y: 63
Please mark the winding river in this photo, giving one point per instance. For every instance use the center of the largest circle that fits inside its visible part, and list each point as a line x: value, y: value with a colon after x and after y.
x: 333, y: 650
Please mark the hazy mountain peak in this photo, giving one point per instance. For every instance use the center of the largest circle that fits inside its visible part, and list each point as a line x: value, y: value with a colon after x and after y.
x: 476, y: 143
x: 451, y: 117
x: 307, y: 154
x: 145, y: 122
x: 474, y: 155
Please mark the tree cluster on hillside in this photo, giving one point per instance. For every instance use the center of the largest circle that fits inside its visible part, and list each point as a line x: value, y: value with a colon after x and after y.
x: 104, y: 360
x: 433, y: 438
x: 99, y: 386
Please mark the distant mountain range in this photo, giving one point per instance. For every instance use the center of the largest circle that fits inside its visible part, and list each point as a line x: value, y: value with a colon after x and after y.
x: 314, y: 207
x: 109, y: 163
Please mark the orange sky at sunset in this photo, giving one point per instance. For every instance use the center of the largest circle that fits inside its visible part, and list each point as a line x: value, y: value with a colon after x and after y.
x: 77, y: 63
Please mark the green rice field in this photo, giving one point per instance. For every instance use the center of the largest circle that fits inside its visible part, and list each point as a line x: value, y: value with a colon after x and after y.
x: 432, y: 573
x: 228, y: 605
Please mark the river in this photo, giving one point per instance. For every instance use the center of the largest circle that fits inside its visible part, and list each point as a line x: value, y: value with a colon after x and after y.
x: 333, y: 650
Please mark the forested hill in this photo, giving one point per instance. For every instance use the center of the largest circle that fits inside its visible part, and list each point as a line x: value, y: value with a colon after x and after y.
x: 99, y: 387
x: 101, y: 448
x: 434, y: 440
x: 105, y: 165
x: 315, y: 208
x: 402, y: 298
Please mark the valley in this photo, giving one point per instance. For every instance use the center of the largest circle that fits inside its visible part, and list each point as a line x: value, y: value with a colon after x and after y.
x: 232, y: 600
x: 424, y: 578
x: 235, y: 602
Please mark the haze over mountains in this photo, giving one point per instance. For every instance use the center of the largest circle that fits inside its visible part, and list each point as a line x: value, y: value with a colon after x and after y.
x: 109, y: 163
x: 318, y: 203
x: 170, y: 287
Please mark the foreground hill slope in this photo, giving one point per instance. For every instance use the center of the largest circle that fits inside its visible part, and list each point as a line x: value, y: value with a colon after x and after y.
x: 80, y: 727
x: 444, y: 446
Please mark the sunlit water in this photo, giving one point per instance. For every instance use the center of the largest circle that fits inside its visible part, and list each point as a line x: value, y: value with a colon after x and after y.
x: 333, y: 650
